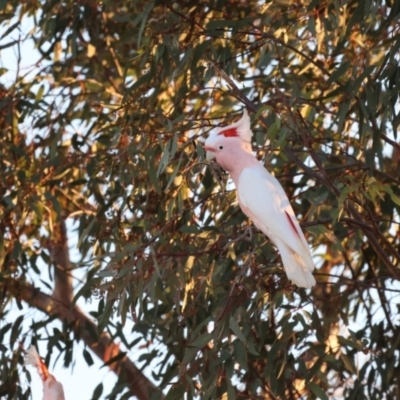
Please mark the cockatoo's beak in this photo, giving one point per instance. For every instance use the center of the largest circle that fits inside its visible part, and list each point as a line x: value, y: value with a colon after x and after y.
x: 210, y: 153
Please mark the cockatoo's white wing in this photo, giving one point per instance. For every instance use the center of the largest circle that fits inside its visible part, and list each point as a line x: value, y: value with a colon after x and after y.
x: 264, y: 196
x: 263, y: 199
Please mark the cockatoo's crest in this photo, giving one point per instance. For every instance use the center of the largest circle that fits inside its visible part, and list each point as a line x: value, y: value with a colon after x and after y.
x: 239, y: 129
x: 232, y: 132
x: 32, y: 358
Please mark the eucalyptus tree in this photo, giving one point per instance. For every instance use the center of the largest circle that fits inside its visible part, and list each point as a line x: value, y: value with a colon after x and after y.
x: 103, y: 133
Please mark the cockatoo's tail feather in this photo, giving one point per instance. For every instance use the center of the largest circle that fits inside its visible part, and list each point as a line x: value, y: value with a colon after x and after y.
x: 296, y: 269
x: 32, y: 358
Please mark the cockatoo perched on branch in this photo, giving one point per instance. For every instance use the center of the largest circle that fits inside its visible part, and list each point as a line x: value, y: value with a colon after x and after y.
x: 262, y: 198
x: 52, y: 389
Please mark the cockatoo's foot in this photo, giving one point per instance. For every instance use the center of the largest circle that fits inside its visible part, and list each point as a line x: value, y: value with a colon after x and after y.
x: 247, y: 235
x: 218, y: 173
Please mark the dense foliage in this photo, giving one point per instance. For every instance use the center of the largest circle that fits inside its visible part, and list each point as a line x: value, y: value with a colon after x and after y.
x: 105, y: 130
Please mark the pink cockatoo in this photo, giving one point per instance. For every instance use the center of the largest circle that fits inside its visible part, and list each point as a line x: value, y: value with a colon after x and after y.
x: 52, y: 389
x: 262, y: 198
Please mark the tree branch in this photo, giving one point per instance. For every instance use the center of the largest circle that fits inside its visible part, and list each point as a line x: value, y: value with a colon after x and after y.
x: 59, y: 253
x: 103, y: 345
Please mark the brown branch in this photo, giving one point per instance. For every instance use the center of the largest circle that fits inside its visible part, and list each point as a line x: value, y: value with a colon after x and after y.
x: 60, y: 304
x: 389, y: 246
x: 59, y: 253
x: 102, y: 345
x: 374, y: 242
x: 382, y: 298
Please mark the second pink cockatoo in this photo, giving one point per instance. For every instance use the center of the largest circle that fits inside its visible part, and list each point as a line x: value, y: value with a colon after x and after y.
x: 52, y: 389
x: 262, y: 198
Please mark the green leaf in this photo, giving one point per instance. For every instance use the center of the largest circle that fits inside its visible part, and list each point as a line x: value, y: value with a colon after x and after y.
x: 164, y: 161
x: 98, y: 391
x: 189, y: 355
x: 236, y: 330
x: 144, y: 16
x: 153, y: 175
x: 139, y: 82
x: 342, y: 114
x: 16, y: 330
x: 177, y: 392
x: 261, y: 110
x: 86, y: 232
x: 39, y: 94
x: 390, y: 192
x: 88, y: 358
x: 240, y: 354
x: 10, y: 28
x: 319, y: 393
x: 202, y: 340
x: 339, y: 72
x: 189, y: 229
x: 272, y: 353
x: 274, y: 129
x: 348, y: 363
x: 350, y: 343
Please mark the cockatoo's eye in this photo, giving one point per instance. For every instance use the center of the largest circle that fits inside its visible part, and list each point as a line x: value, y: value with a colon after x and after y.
x: 221, y: 147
